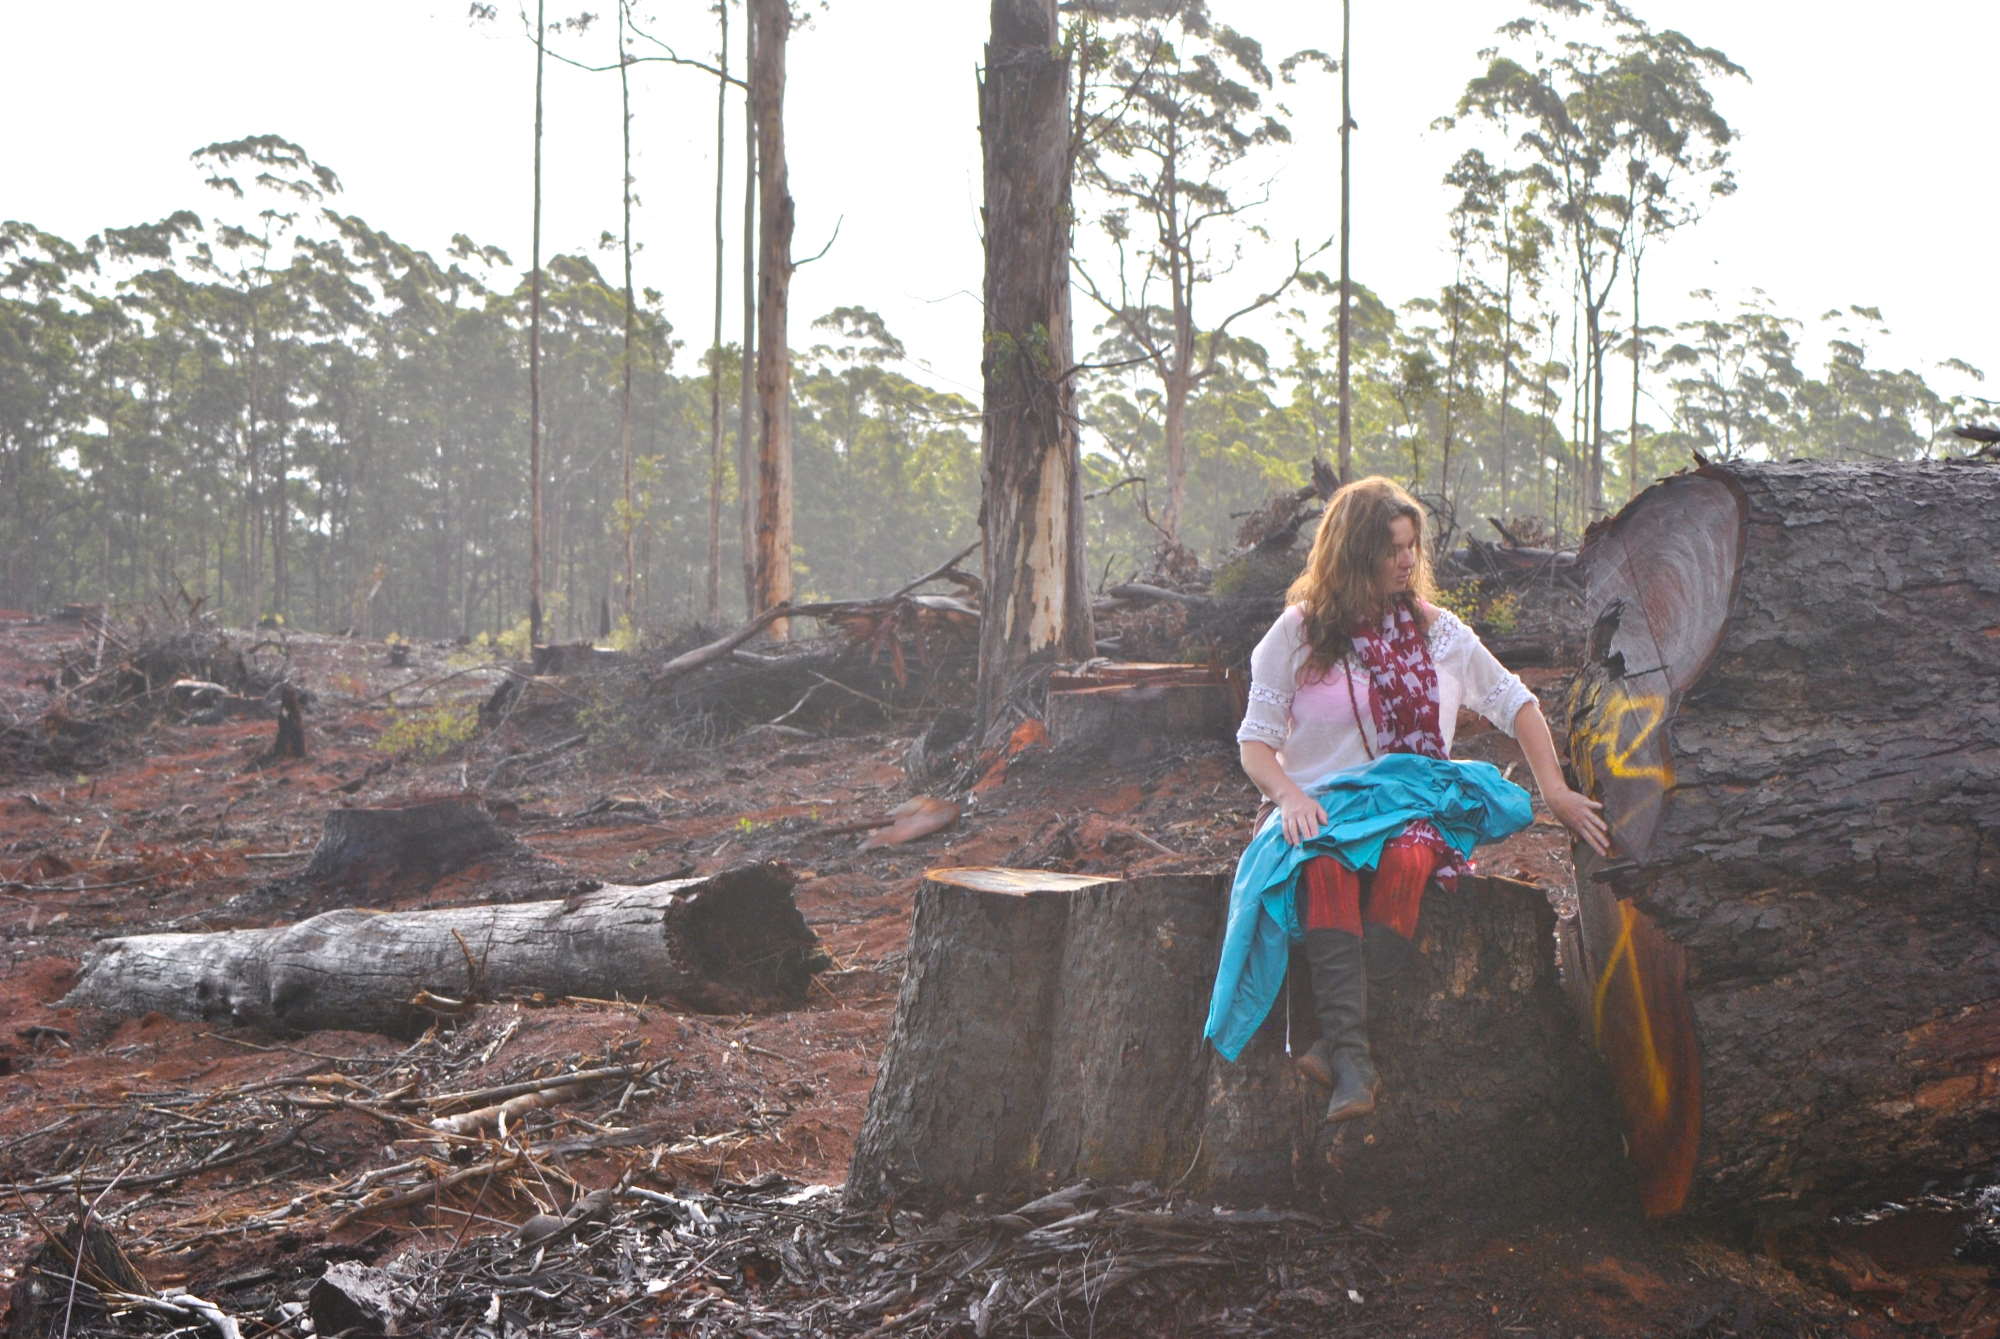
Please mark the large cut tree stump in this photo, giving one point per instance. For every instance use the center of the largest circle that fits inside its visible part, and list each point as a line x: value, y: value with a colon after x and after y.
x: 1791, y: 710
x: 732, y: 942
x: 1049, y: 1028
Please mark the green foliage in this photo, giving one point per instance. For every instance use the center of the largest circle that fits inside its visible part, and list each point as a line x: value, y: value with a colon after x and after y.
x: 426, y: 734
x: 1495, y: 611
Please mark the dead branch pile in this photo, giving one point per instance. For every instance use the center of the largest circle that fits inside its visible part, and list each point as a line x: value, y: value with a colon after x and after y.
x: 772, y: 1258
x: 384, y: 1139
x: 125, y: 676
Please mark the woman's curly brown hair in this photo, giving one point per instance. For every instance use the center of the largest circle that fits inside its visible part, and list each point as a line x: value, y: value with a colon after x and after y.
x: 1336, y: 591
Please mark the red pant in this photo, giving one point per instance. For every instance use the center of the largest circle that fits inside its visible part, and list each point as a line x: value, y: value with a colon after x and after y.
x: 1334, y: 897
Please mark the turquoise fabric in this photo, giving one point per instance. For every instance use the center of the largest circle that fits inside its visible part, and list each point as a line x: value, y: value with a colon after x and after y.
x: 1468, y: 803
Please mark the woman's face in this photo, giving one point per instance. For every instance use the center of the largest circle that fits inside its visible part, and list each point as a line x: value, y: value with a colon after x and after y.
x: 1392, y: 577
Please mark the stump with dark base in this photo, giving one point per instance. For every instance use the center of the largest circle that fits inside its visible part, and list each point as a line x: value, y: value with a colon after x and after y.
x: 1049, y: 1028
x: 1791, y: 709
x: 419, y: 839
x: 732, y: 942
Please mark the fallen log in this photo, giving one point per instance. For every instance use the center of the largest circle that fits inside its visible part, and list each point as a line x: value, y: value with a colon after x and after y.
x: 1049, y: 1028
x: 1791, y: 710
x: 731, y: 942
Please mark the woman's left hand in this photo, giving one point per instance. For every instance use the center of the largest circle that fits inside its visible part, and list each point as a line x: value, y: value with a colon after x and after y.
x: 1582, y: 816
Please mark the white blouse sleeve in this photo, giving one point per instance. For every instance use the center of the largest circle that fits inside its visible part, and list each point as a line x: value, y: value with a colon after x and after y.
x: 1274, y: 677
x: 1491, y: 689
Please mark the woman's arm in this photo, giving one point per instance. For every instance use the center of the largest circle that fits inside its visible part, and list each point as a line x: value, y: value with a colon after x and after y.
x: 1576, y: 811
x: 1300, y: 812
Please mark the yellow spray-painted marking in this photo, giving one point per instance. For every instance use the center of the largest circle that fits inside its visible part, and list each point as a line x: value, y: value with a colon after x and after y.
x: 1649, y: 1055
x: 1605, y: 739
x: 1606, y: 735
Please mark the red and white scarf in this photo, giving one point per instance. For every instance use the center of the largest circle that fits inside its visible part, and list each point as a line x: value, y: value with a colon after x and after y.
x: 1405, y: 705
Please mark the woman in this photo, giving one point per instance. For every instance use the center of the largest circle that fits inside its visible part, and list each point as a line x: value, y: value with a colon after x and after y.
x: 1354, y: 697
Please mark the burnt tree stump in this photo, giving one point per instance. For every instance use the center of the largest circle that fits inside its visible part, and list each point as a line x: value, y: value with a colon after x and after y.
x: 1791, y: 710
x: 728, y: 943
x: 1049, y: 1028
x: 424, y: 838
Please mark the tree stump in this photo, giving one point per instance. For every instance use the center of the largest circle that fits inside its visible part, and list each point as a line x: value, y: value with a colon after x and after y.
x: 1049, y: 1028
x: 1121, y: 704
x: 1791, y: 710
x: 730, y: 943
x: 424, y: 838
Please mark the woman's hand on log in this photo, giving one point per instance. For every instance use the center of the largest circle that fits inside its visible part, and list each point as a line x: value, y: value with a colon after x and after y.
x: 1301, y: 814
x: 1582, y: 816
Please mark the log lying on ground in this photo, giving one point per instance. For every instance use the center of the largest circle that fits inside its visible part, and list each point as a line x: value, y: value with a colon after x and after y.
x: 1049, y: 1028
x: 1791, y: 709
x: 731, y: 942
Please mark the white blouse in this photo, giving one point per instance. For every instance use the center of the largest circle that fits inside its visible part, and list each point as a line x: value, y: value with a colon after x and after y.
x: 1314, y: 726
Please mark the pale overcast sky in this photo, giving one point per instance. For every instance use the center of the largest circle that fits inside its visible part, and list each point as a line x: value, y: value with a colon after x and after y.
x: 1868, y: 137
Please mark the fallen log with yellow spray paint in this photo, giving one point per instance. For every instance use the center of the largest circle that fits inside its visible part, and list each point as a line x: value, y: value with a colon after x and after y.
x: 1791, y: 710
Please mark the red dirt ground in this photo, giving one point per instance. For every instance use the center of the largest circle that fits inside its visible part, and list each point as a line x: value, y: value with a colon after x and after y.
x: 178, y: 824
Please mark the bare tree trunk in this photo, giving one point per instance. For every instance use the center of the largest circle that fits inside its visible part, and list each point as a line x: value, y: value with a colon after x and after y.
x: 1451, y: 368
x: 1506, y: 350
x: 628, y: 519
x: 712, y: 594
x: 1346, y: 277
x: 746, y: 407
x: 1036, y: 602
x: 773, y: 21
x: 1632, y: 434
x: 1179, y: 386
x: 1593, y: 497
x: 535, y: 364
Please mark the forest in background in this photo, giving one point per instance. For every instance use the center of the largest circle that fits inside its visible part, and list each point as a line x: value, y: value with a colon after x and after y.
x: 269, y: 404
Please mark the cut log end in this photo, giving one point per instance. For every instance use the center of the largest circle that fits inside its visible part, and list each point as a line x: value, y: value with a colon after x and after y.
x: 1789, y: 710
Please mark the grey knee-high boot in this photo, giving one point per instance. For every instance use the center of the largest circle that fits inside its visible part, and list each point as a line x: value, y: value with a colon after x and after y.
x: 1340, y: 1058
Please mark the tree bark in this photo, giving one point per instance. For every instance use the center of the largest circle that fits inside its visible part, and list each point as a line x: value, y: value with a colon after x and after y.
x: 1346, y: 446
x: 1036, y: 602
x: 535, y: 360
x: 712, y: 587
x: 1791, y: 712
x: 772, y: 20
x: 628, y: 518
x: 746, y: 378
x: 732, y: 942
x: 1049, y: 1028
